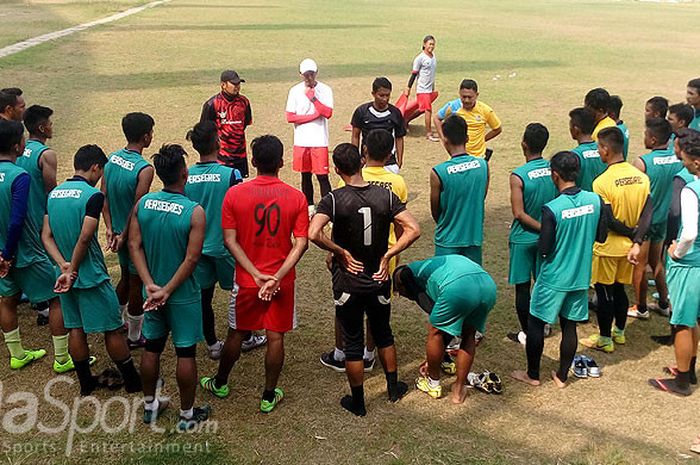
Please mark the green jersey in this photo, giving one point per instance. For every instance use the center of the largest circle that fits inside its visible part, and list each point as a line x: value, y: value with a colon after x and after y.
x: 436, y: 273
x: 661, y: 166
x: 538, y: 189
x: 626, y: 133
x: 591, y: 165
x: 692, y: 258
x: 695, y: 124
x: 36, y: 209
x: 464, y: 181
x: 30, y: 249
x: 67, y: 207
x: 121, y: 178
x: 207, y: 184
x: 165, y: 221
x: 576, y: 215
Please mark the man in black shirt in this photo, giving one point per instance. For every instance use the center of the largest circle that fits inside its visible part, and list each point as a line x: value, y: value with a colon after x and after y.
x: 380, y: 114
x: 361, y: 214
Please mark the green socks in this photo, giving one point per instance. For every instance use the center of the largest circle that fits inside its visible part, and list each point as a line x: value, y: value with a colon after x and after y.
x: 60, y: 348
x: 14, y: 344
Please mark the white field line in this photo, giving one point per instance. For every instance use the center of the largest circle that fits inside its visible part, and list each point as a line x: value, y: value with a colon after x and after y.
x: 25, y: 44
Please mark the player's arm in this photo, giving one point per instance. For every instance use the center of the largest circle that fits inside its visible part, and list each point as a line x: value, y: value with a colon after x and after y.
x: 640, y: 165
x: 488, y: 180
x: 107, y: 216
x: 517, y: 205
x: 414, y: 74
x: 674, y: 213
x: 615, y: 225
x: 495, y: 124
x: 548, y: 233
x: 318, y: 236
x: 138, y: 257
x: 437, y: 122
x: 52, y: 250
x: 18, y: 213
x: 248, y: 115
x: 689, y: 220
x: 301, y: 119
x: 324, y: 110
x: 48, y: 164
x: 410, y: 233
x: 601, y: 234
x: 399, y: 151
x: 143, y: 185
x: 640, y: 231
x: 355, y: 137
x: 435, y: 190
x: 208, y: 112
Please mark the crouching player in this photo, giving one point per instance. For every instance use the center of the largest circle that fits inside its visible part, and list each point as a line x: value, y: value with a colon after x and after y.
x: 570, y: 225
x: 458, y: 295
x: 88, y: 299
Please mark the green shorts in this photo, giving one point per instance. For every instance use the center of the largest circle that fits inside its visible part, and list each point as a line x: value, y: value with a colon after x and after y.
x: 183, y: 320
x: 548, y: 304
x: 211, y: 270
x: 95, y: 309
x: 657, y: 232
x: 464, y: 302
x: 524, y: 263
x: 472, y: 252
x: 36, y: 281
x: 684, y: 293
x: 125, y: 259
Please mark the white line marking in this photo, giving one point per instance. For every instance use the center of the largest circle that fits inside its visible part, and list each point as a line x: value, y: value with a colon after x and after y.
x: 25, y: 44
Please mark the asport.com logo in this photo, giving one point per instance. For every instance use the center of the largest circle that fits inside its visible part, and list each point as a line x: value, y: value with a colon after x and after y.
x: 79, y: 418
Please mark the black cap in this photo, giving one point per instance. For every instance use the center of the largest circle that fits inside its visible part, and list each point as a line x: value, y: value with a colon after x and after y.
x: 231, y: 76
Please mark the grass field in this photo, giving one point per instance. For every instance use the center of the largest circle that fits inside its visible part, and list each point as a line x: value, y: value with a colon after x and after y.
x: 534, y: 61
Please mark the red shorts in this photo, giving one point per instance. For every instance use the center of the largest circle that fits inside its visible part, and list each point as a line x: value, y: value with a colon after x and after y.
x: 425, y: 101
x: 310, y: 160
x: 246, y: 312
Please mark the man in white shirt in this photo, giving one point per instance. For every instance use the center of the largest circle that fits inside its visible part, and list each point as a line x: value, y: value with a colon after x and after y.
x: 309, y: 106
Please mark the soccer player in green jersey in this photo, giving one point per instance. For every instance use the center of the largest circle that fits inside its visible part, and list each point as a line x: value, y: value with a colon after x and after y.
x: 692, y: 96
x: 461, y: 181
x: 88, y: 300
x: 614, y: 110
x: 127, y: 178
x: 661, y: 165
x: 684, y: 276
x: 165, y: 241
x: 531, y: 187
x: 41, y: 163
x: 581, y: 125
x: 207, y: 184
x: 24, y: 266
x: 570, y: 225
x: 458, y: 295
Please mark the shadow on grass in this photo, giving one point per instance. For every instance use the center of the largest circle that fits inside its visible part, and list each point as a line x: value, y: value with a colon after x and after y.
x: 184, y: 78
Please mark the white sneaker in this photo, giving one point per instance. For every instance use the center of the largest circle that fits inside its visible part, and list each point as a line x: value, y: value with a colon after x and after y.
x: 454, y: 343
x: 547, y: 330
x: 634, y: 313
x: 654, y: 307
x: 254, y: 342
x: 215, y: 350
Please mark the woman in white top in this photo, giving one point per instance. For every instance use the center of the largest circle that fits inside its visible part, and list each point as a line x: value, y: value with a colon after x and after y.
x: 424, y: 66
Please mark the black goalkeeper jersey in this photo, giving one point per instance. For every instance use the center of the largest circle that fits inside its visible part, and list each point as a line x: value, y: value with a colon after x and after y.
x: 361, y: 218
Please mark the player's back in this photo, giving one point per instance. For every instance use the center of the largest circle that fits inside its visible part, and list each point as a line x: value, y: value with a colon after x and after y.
x: 361, y: 219
x: 121, y: 178
x: 568, y: 266
x: 626, y: 189
x: 165, y: 221
x: 437, y: 272
x: 265, y: 212
x: 591, y: 165
x: 207, y: 184
x: 538, y: 189
x: 66, y: 207
x: 37, y: 192
x: 661, y: 167
x: 464, y: 181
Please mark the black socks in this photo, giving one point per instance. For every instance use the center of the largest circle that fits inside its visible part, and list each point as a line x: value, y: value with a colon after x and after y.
x: 395, y: 388
x: 132, y: 379
x: 88, y: 383
x: 355, y: 403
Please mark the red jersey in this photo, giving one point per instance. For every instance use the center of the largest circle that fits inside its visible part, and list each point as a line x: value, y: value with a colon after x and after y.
x: 231, y: 117
x: 266, y: 213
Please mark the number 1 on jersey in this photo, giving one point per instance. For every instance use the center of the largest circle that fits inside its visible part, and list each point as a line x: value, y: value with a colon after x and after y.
x: 366, y: 213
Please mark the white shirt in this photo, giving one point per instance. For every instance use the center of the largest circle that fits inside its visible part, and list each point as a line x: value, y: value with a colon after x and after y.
x: 689, y: 222
x: 425, y: 66
x: 314, y: 133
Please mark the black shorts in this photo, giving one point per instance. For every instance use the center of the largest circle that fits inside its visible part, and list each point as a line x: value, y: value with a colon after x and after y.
x: 350, y: 310
x: 239, y: 163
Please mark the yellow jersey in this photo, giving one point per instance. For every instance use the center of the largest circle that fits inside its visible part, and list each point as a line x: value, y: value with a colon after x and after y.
x: 478, y: 118
x: 379, y: 176
x: 626, y: 189
x: 606, y: 122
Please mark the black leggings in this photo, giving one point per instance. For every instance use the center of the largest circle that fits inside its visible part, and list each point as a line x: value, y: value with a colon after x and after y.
x: 350, y: 311
x: 208, y: 322
x: 522, y: 304
x: 612, y: 305
x: 535, y: 346
x: 307, y: 186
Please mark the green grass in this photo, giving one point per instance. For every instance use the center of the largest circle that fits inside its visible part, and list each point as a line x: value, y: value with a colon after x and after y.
x: 534, y: 61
